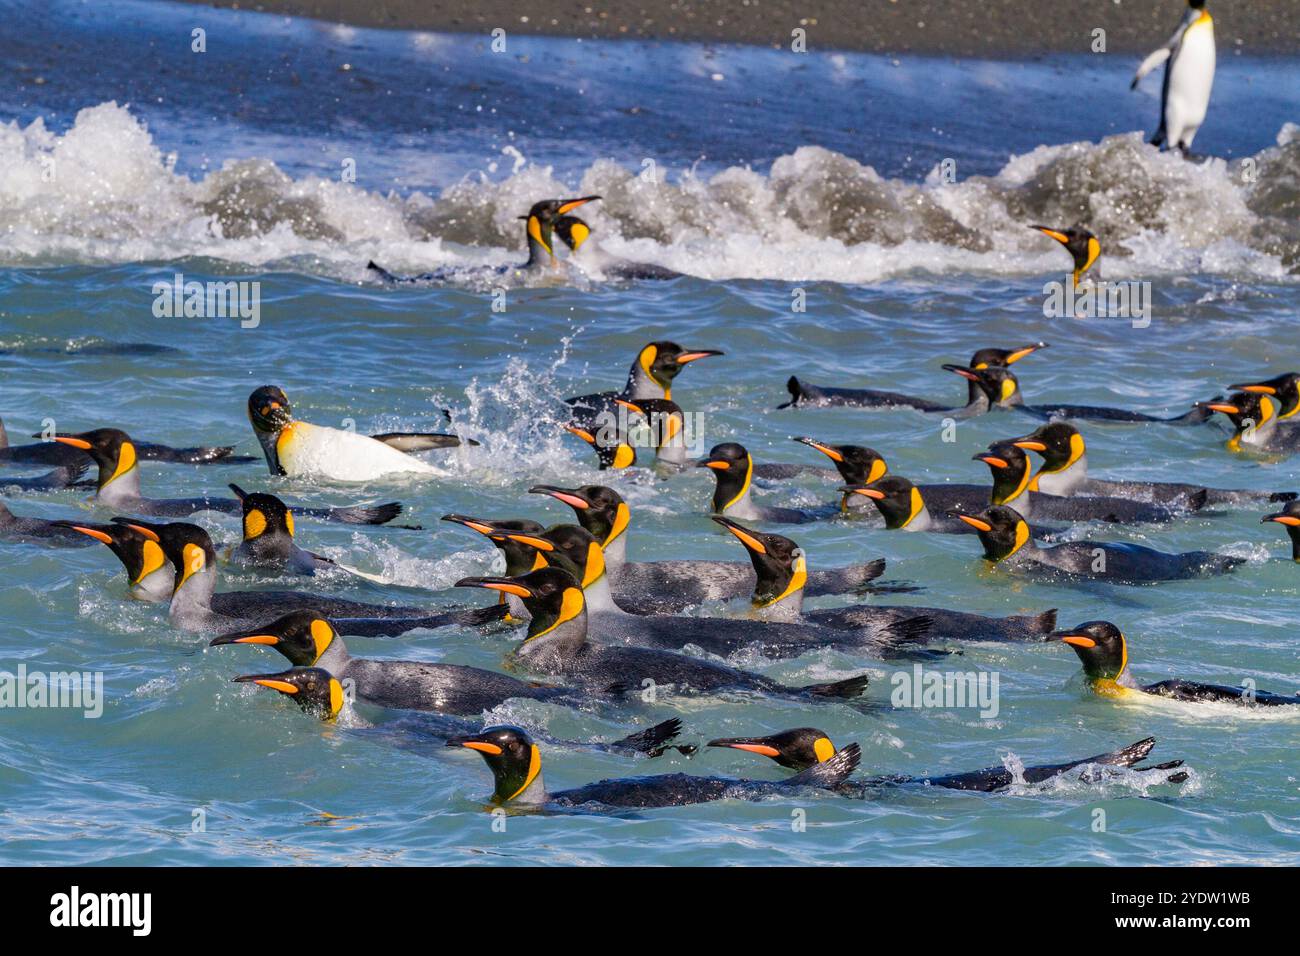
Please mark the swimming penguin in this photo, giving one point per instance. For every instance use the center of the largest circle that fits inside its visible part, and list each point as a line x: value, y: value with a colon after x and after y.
x: 1012, y: 477
x: 148, y: 571
x: 575, y: 550
x: 977, y: 401
x: 539, y: 226
x: 733, y: 471
x: 1189, y: 77
x: 576, y: 234
x: 1283, y: 389
x: 195, y: 604
x: 118, y: 485
x: 309, y: 639
x: 1104, y: 653
x: 37, y: 530
x: 1007, y: 544
x: 781, y: 570
x: 520, y: 559
x: 268, y: 537
x: 516, y: 765
x: 669, y: 587
x: 1082, y: 246
x: 294, y: 447
x: 1065, y: 472
x: 905, y: 507
x: 320, y: 694
x: 1003, y: 391
x: 651, y: 376
x: 1255, y: 424
x: 806, y: 747
x: 1289, y: 518
x: 557, y: 645
x: 52, y: 453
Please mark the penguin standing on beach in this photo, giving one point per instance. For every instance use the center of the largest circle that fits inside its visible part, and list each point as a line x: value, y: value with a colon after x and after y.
x: 1189, y: 77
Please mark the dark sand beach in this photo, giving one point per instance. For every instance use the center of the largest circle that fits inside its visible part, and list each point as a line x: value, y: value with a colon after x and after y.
x: 952, y: 27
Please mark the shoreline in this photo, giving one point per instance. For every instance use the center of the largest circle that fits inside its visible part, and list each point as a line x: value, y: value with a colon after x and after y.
x: 966, y: 28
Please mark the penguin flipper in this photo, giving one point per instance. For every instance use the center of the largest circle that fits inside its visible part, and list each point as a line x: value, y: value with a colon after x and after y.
x: 199, y: 455
x: 846, y: 689
x: 653, y: 741
x: 1149, y: 64
x: 375, y: 514
x: 796, y: 393
x: 829, y: 773
x: 421, y: 441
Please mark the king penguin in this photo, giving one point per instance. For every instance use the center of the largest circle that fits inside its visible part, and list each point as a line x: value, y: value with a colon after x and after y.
x: 1189, y: 78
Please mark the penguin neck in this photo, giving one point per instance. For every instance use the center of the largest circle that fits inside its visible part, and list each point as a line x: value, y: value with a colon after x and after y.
x: 121, y: 487
x: 156, y: 587
x: 599, y: 598
x: 335, y: 658
x: 913, y: 515
x: 786, y: 607
x: 556, y: 641
x: 1294, y: 534
x: 1256, y: 435
x: 732, y: 498
x: 1065, y: 480
x: 270, y: 442
x: 539, y: 256
x: 672, y: 452
x: 641, y: 386
x: 1010, y: 488
x: 191, y: 603
x: 615, y: 550
x: 527, y: 788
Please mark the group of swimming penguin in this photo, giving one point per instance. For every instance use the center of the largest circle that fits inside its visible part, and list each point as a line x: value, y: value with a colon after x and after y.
x: 598, y: 626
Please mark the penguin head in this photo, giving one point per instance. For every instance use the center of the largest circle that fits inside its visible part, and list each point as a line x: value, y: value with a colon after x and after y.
x: 1059, y: 443
x: 1289, y: 518
x: 611, y: 451
x: 301, y: 636
x: 1001, y: 358
x: 567, y: 546
x: 796, y: 749
x: 139, y: 553
x: 511, y: 755
x: 1101, y: 648
x: 542, y: 218
x: 779, y: 563
x: 663, y: 361
x: 266, y: 517
x: 269, y: 409
x: 1246, y: 410
x: 1079, y: 242
x: 898, y: 500
x: 997, y: 384
x: 733, y: 470
x: 573, y: 232
x: 1196, y: 4
x: 663, y: 416
x: 315, y: 690
x: 1002, y: 530
x: 857, y: 464
x: 1010, y: 469
x: 110, y: 448
x: 520, y: 559
x: 187, y: 546
x: 601, y: 510
x: 1284, y: 388
x: 552, y: 595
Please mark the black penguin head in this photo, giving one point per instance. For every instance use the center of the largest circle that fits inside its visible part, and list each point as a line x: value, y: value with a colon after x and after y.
x: 997, y: 384
x: 1002, y: 530
x: 269, y: 409
x: 1001, y: 358
x: 1245, y: 409
x: 139, y: 553
x: 1059, y: 443
x: 1196, y: 4
x: 857, y: 464
x: 898, y: 500
x: 733, y: 469
x: 187, y: 546
x: 601, y: 510
x: 796, y: 749
x: 1079, y: 242
x: 301, y: 636
x: 1289, y: 518
x: 315, y: 690
x: 265, y: 516
x: 567, y: 546
x: 663, y: 361
x: 552, y: 595
x: 110, y: 448
x: 1010, y: 469
x: 573, y: 232
x: 542, y: 218
x: 610, y: 444
x: 779, y: 563
x: 1284, y: 388
x: 510, y: 754
x: 519, y: 558
x: 1100, y: 646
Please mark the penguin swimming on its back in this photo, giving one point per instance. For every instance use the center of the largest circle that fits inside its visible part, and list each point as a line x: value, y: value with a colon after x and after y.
x: 1189, y: 78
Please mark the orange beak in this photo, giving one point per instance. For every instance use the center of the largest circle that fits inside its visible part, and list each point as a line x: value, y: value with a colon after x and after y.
x: 976, y: 523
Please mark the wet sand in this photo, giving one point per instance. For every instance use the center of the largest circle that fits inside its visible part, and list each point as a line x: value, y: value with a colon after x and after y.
x: 953, y: 27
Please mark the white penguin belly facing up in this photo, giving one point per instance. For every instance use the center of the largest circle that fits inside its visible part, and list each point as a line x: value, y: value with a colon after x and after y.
x: 306, y: 449
x: 1191, y: 77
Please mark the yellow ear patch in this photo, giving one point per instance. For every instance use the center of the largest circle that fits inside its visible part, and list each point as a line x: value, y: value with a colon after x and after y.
x: 254, y: 524
x: 917, y: 504
x: 534, y: 768
x: 126, y: 460
x: 288, y: 523
x: 622, y: 517
x: 151, y: 559
x: 648, y: 356
x: 1022, y: 535
x: 595, y: 565
x: 193, y: 559
x: 824, y: 749
x: 535, y: 233
x: 578, y: 233
x: 322, y: 635
x: 624, y: 456
x: 1008, y: 388
x: 878, y: 470
x: 336, y: 697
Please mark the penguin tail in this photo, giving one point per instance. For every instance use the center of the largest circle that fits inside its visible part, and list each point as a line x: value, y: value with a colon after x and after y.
x: 830, y: 773
x: 796, y: 393
x: 841, y: 689
x: 868, y: 572
x: 380, y: 271
x: 654, y: 741
x: 1044, y: 623
x: 375, y: 514
x: 900, y: 635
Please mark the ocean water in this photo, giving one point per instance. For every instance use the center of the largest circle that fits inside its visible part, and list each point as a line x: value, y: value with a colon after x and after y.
x: 769, y: 177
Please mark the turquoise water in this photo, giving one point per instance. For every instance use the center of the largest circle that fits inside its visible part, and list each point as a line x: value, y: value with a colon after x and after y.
x: 901, y: 273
